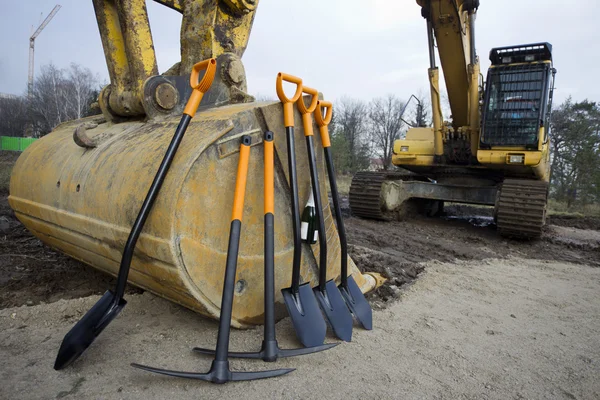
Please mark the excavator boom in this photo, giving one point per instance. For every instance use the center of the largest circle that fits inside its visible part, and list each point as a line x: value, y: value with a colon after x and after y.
x: 451, y: 23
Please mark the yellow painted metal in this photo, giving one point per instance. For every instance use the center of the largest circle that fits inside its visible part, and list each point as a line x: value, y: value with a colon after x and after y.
x: 116, y: 59
x: 129, y: 52
x: 138, y: 42
x: 83, y: 201
x: 416, y: 150
x: 436, y: 108
x: 474, y: 129
x: 452, y: 36
x: 536, y: 163
x: 211, y: 28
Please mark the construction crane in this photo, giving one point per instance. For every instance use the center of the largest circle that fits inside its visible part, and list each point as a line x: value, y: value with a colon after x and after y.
x: 32, y: 47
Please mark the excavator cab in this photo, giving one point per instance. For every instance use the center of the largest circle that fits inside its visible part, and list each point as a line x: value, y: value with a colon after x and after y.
x: 518, y: 97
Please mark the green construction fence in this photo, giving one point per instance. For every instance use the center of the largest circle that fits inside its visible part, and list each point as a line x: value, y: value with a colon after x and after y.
x: 15, y: 143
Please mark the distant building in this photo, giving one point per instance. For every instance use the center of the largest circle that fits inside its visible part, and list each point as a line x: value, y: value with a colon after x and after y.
x: 375, y: 164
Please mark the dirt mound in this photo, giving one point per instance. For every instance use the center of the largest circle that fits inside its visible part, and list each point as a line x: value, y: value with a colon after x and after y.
x: 397, y: 272
x: 572, y: 221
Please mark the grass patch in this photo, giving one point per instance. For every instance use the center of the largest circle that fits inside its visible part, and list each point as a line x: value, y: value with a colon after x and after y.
x: 343, y: 184
x: 562, y: 209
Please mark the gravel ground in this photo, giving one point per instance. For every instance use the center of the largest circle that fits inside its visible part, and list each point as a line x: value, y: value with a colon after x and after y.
x: 485, y: 329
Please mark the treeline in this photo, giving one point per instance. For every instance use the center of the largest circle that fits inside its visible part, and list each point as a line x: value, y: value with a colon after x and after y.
x: 575, y: 138
x: 363, y: 133
x: 58, y: 95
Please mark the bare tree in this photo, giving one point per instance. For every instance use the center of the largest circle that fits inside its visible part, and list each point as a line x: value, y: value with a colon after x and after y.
x: 81, y: 88
x: 421, y: 119
x: 47, y: 98
x: 350, y: 132
x: 60, y: 95
x: 13, y: 116
x: 385, y: 124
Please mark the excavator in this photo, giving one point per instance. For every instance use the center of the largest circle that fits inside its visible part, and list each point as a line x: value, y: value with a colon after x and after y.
x: 495, y: 151
x: 79, y: 188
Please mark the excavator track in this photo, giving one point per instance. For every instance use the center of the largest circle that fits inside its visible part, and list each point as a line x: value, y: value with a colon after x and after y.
x: 365, y: 195
x: 365, y: 192
x: 521, y: 208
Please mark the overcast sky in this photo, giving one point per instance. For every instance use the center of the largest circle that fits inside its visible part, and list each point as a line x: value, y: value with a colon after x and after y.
x: 358, y: 48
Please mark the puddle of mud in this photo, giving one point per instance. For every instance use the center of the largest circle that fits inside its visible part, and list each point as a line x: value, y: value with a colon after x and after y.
x: 475, y: 220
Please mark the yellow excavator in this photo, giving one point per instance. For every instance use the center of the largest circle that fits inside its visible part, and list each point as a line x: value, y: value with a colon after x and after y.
x: 495, y: 151
x: 80, y: 187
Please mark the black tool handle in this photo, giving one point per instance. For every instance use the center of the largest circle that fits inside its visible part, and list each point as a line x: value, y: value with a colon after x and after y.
x: 291, y: 149
x: 338, y: 215
x: 232, y: 252
x: 314, y: 178
x: 269, y: 239
x: 228, y: 289
x: 138, y: 225
x: 269, y: 278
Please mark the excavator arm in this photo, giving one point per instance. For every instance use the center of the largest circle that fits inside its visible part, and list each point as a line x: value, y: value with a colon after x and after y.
x: 210, y: 29
x: 452, y: 24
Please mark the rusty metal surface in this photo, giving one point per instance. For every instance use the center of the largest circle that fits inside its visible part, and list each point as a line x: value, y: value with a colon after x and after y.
x: 129, y: 52
x: 210, y: 29
x: 82, y: 201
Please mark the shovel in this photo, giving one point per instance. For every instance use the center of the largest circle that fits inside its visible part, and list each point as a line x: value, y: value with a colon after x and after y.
x: 328, y: 295
x: 355, y: 299
x: 81, y: 336
x: 219, y: 371
x: 270, y: 350
x: 299, y: 299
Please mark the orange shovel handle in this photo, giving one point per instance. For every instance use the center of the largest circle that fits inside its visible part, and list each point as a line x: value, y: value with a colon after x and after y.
x: 200, y: 86
x: 324, y: 120
x: 288, y: 103
x: 307, y: 111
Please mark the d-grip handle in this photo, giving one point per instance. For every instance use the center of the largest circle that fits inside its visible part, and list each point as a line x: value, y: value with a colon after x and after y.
x: 200, y: 86
x: 307, y: 111
x: 324, y: 120
x: 288, y: 103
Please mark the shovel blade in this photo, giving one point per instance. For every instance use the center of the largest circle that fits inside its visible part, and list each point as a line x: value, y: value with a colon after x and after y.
x: 306, y: 317
x: 333, y: 305
x: 357, y: 303
x: 81, y: 336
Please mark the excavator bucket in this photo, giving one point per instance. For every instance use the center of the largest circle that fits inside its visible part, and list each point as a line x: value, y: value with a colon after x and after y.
x: 83, y: 201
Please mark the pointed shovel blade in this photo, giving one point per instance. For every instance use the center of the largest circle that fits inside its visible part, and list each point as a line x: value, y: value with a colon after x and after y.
x: 357, y: 303
x: 335, y: 309
x: 82, y: 335
x: 306, y: 317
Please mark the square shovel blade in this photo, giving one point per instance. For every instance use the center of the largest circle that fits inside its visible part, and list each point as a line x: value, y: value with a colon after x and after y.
x: 81, y: 336
x: 335, y: 309
x: 306, y: 317
x: 357, y: 303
